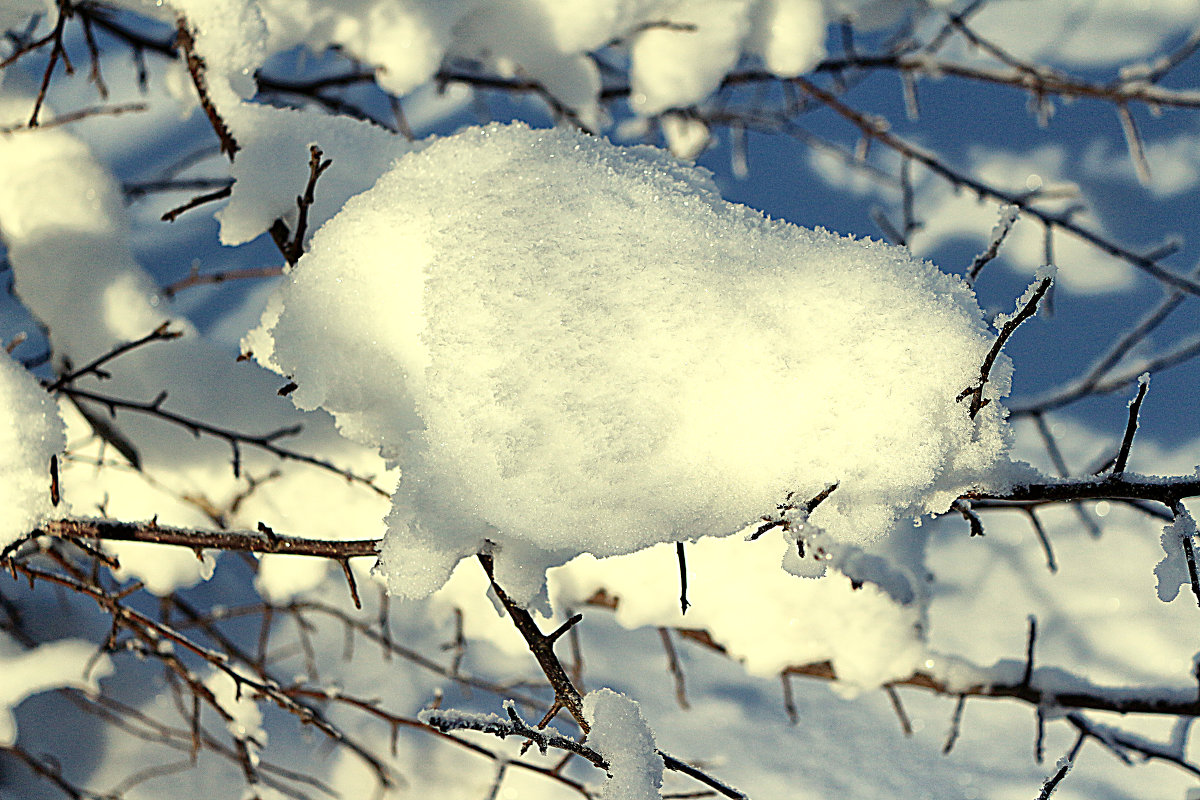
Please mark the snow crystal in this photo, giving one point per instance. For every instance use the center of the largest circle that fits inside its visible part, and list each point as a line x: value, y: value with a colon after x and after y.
x: 619, y: 733
x: 30, y: 433
x: 1172, y: 572
x: 571, y: 347
x: 67, y: 662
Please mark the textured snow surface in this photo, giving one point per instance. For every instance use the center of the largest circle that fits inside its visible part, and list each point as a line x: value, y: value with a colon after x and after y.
x: 620, y: 733
x: 571, y: 347
x: 30, y: 433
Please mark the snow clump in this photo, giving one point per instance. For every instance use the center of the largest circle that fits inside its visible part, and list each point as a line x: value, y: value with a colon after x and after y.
x: 619, y: 732
x: 31, y: 431
x: 570, y: 347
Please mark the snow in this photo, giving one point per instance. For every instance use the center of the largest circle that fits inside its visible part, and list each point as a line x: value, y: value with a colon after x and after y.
x: 66, y: 662
x: 67, y: 234
x: 620, y: 733
x: 1172, y: 572
x: 647, y: 364
x: 31, y: 432
x: 933, y: 599
x: 764, y: 617
x: 245, y: 718
x: 679, y: 50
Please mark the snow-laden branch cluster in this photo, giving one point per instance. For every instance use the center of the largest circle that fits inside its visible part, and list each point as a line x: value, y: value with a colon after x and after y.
x: 678, y: 52
x: 569, y: 347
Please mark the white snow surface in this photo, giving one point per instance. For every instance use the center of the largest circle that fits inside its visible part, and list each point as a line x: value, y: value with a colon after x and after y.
x: 620, y: 733
x: 66, y: 662
x: 571, y: 347
x: 31, y: 431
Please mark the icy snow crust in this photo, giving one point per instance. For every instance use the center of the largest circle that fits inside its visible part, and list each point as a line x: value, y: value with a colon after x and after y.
x: 572, y: 347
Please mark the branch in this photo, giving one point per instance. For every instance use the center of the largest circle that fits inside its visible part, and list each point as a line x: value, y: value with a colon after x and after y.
x: 1010, y: 326
x: 292, y: 246
x: 542, y: 647
x: 264, y: 541
x: 196, y: 68
x: 162, y: 333
x: 235, y: 439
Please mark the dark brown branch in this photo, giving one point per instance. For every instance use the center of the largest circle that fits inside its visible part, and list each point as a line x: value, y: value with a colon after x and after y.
x: 542, y: 647
x: 195, y: 278
x: 1010, y: 326
x: 244, y: 541
x: 1162, y: 490
x: 675, y: 668
x: 876, y: 130
x: 83, y: 113
x: 397, y: 721
x: 683, y: 582
x: 57, y: 51
x: 264, y: 442
x: 162, y: 333
x: 196, y: 68
x: 196, y: 202
x: 1135, y: 407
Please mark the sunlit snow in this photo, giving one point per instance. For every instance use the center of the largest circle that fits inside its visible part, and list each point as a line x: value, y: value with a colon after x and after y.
x: 571, y: 347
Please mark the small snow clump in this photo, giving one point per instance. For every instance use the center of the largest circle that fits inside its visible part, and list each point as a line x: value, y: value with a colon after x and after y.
x: 31, y: 431
x: 620, y: 734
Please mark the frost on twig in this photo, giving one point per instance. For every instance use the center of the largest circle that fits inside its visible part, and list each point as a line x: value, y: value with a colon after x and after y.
x: 1026, y: 307
x: 1008, y: 217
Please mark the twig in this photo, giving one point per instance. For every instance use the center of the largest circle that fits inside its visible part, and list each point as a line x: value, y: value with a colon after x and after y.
x: 683, y: 582
x: 266, y: 442
x: 162, y: 333
x: 1065, y: 765
x: 1008, y: 217
x: 1043, y: 539
x: 975, y: 392
x: 955, y: 724
x: 83, y: 113
x: 57, y: 51
x: 542, y: 647
x: 196, y: 68
x: 195, y: 278
x: 193, y: 539
x: 675, y: 668
x: 1135, y: 406
x: 196, y: 202
x: 292, y: 246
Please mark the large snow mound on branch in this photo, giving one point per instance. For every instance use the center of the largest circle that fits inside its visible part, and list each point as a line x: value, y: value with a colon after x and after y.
x: 572, y: 347
x: 31, y: 431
